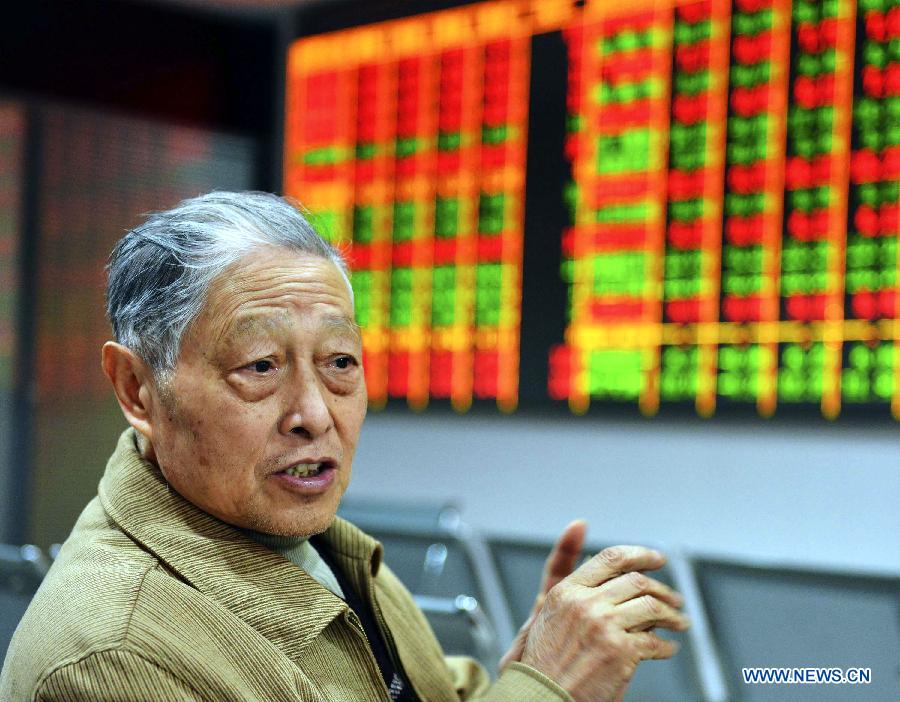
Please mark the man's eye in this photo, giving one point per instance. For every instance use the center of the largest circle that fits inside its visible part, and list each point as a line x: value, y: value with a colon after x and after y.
x: 344, y: 362
x: 262, y: 366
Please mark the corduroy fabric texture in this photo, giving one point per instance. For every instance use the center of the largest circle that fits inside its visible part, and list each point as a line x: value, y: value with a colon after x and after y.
x: 302, y: 554
x: 152, y: 599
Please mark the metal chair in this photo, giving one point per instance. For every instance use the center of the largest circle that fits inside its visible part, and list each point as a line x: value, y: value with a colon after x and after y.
x: 763, y: 615
x: 461, y: 626
x: 410, y: 516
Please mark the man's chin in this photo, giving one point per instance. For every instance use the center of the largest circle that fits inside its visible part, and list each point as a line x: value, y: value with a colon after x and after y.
x: 301, y: 527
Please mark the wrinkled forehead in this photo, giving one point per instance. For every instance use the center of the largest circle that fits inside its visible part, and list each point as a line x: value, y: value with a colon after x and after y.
x: 269, y: 289
x: 254, y: 265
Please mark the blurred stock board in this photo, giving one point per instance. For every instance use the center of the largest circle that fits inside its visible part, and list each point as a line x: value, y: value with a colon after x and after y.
x: 713, y: 187
x: 12, y: 158
x: 91, y: 174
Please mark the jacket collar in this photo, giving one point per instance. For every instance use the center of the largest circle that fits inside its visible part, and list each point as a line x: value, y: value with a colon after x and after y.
x: 280, y: 601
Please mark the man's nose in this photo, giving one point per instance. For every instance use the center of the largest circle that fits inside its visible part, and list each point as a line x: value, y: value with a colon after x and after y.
x: 307, y: 412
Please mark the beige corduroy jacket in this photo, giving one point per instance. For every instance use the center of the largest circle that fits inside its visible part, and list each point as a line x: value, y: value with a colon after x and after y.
x: 153, y: 599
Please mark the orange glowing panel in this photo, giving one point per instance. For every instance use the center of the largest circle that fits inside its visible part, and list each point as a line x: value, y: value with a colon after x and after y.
x: 727, y: 184
x: 406, y: 139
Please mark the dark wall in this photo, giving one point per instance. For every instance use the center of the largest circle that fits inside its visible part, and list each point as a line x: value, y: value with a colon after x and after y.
x: 174, y: 64
x: 128, y: 105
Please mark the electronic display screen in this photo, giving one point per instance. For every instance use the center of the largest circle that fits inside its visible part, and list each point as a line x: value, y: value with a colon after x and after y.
x: 649, y: 204
x: 98, y: 172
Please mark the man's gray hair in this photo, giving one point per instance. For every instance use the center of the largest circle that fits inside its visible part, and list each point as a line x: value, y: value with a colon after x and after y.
x: 160, y: 271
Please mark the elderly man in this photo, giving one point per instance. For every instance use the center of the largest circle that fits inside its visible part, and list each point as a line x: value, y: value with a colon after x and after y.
x: 211, y: 566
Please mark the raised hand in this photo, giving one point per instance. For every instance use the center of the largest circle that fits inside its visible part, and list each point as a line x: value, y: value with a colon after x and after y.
x: 595, y: 625
x: 560, y: 563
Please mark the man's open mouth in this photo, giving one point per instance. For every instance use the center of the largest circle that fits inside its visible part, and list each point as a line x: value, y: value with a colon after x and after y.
x: 307, y: 470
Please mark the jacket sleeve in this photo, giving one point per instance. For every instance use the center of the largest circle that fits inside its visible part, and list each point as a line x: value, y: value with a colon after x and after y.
x: 114, y: 676
x: 517, y: 683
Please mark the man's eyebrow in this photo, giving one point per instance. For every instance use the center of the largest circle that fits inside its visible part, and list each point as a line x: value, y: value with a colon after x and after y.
x: 253, y: 324
x: 257, y: 324
x: 344, y: 324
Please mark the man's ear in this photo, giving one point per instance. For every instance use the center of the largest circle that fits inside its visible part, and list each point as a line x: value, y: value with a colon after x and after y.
x: 132, y: 381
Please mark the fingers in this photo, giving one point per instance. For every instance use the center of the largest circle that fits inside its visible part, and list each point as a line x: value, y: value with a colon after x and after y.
x: 594, y: 627
x: 614, y: 561
x: 630, y: 585
x: 652, y: 647
x: 647, y: 611
x: 564, y: 556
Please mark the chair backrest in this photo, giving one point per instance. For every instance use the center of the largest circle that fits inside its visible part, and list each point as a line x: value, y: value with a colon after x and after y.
x: 21, y: 570
x: 780, y: 617
x: 520, y: 566
x: 421, y: 542
x: 409, y: 516
x: 462, y: 627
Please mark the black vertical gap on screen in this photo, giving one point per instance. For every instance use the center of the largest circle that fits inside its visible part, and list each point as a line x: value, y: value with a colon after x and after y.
x: 544, y: 293
x: 25, y: 390
x: 853, y: 199
x: 722, y: 401
x: 789, y: 153
x: 805, y: 405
